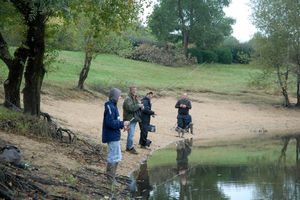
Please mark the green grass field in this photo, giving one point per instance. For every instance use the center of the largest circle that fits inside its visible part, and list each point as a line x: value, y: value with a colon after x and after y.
x: 112, y: 71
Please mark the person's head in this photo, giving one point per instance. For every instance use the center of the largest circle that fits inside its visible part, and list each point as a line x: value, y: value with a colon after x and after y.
x: 115, y: 94
x: 184, y: 96
x: 133, y: 90
x: 149, y: 95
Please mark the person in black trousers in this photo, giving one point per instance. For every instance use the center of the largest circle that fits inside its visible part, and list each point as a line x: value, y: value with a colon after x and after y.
x: 145, y: 117
x: 184, y: 119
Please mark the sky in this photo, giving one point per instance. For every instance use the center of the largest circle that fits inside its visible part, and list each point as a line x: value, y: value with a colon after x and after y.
x: 240, y: 10
x: 243, y: 30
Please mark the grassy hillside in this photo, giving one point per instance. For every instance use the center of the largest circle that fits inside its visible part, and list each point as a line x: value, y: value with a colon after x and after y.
x: 112, y: 71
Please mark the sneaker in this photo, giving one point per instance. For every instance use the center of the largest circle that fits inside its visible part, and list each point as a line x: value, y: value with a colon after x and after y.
x: 145, y: 147
x: 132, y: 151
x: 148, y: 143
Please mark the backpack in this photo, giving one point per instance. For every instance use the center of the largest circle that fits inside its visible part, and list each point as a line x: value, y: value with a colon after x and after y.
x: 10, y: 154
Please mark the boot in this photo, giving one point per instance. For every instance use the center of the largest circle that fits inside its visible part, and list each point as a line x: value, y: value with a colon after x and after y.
x: 115, y: 166
x: 191, y: 128
x: 148, y: 143
x: 111, y: 170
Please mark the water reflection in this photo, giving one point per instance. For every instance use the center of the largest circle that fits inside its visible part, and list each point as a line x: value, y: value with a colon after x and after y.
x: 184, y: 182
x: 143, y: 183
x: 184, y: 149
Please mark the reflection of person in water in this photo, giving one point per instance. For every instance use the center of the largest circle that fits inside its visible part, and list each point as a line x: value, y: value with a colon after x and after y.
x: 143, y: 183
x: 184, y: 149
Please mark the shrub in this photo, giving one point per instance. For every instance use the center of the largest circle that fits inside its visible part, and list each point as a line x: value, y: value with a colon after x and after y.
x: 167, y: 55
x: 243, y: 58
x: 196, y: 53
x: 209, y: 56
x: 224, y: 55
x: 203, y: 55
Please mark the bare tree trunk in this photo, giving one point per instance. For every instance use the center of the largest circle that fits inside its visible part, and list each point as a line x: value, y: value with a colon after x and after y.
x: 15, y: 72
x: 283, y: 85
x: 12, y: 86
x: 297, y: 149
x: 184, y: 31
x: 298, y: 88
x: 35, y: 71
x: 297, y: 59
x: 85, y: 70
x: 186, y: 42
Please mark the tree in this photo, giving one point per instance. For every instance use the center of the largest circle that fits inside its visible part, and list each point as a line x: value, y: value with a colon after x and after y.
x: 99, y: 18
x: 15, y: 63
x: 30, y: 55
x: 279, y: 23
x: 191, y: 21
x: 241, y: 52
x: 273, y: 54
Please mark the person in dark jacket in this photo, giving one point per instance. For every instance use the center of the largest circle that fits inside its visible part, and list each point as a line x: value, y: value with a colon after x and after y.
x: 184, y: 119
x: 131, y: 112
x: 145, y: 117
x: 111, y: 133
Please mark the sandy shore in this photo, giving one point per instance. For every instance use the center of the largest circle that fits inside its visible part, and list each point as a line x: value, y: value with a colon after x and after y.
x: 214, y: 119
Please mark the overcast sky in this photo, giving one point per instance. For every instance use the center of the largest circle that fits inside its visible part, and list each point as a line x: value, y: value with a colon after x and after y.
x: 240, y: 10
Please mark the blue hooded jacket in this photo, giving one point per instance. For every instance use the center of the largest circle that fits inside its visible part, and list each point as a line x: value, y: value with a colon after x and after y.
x: 111, y: 123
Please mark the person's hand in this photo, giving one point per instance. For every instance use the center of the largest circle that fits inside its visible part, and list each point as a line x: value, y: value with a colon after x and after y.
x: 126, y: 126
x: 184, y: 106
x: 141, y: 105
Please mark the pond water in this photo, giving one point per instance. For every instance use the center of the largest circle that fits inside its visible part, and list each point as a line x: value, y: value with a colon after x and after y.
x: 216, y: 182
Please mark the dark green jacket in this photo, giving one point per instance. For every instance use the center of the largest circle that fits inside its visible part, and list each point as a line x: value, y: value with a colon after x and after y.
x: 131, y: 109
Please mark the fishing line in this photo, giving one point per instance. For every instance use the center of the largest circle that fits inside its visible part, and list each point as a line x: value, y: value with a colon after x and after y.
x: 179, y: 80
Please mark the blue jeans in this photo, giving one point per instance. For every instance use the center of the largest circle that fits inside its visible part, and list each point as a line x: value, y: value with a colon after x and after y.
x: 130, y: 136
x: 114, y: 152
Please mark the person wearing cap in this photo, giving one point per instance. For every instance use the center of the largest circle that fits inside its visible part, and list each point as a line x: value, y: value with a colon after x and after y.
x: 184, y: 119
x: 131, y: 112
x: 145, y: 123
x: 111, y: 133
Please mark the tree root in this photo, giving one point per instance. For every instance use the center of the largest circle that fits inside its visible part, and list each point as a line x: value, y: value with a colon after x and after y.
x: 18, y: 183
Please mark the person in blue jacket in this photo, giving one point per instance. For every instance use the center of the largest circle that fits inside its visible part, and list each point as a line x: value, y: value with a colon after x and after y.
x: 111, y: 133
